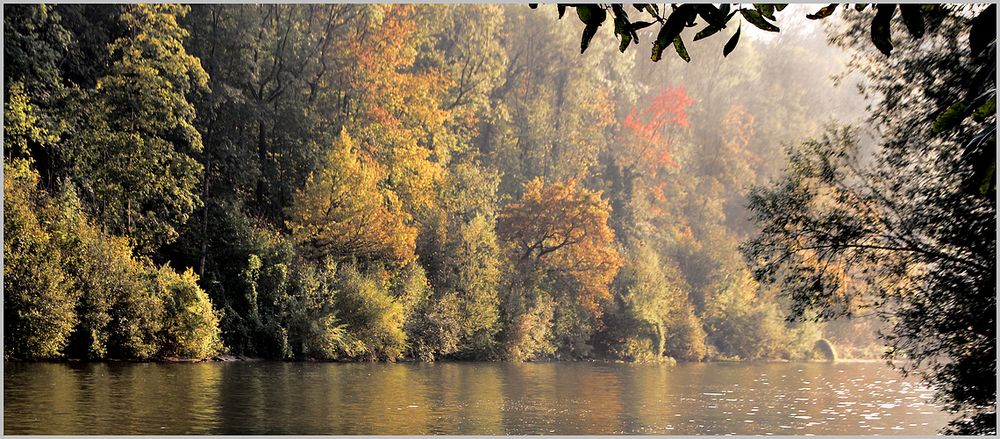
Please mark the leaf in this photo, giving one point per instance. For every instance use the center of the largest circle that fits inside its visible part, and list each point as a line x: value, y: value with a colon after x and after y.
x: 653, y: 9
x: 619, y: 12
x: 880, y: 28
x: 731, y: 44
x: 913, y: 19
x: 823, y: 13
x: 681, y: 50
x: 756, y: 19
x: 589, y: 13
x: 626, y: 39
x: 860, y: 7
x: 707, y: 32
x: 765, y: 9
x: 712, y: 15
x: 983, y: 31
x: 639, y: 25
x: 621, y: 20
x: 593, y: 16
x: 950, y: 118
x: 588, y: 34
x: 989, y: 108
x: 562, y: 10
x: 780, y: 6
x: 671, y: 29
x: 639, y: 6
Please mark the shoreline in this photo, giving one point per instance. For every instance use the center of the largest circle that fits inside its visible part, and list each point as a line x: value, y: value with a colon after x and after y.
x: 227, y: 358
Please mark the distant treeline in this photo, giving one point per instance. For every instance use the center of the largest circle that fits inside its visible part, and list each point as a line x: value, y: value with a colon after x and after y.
x: 369, y: 182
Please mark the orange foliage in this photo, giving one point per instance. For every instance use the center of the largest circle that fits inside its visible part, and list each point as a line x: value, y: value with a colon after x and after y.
x: 401, y: 115
x: 651, y: 129
x: 563, y: 230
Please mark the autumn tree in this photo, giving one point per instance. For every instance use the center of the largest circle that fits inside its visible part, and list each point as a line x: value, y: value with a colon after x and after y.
x: 345, y: 213
x: 560, y: 238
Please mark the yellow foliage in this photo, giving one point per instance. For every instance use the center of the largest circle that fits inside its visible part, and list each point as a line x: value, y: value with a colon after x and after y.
x: 344, y: 212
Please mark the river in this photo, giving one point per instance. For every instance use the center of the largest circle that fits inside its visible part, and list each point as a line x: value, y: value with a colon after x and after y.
x: 465, y: 398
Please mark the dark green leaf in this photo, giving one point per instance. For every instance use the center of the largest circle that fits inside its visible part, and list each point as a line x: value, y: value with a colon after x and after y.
x: 989, y: 180
x: 621, y: 20
x: 653, y: 9
x: 639, y: 25
x: 707, y: 32
x: 731, y: 44
x: 989, y: 108
x: 950, y: 118
x: 671, y: 29
x: 880, y: 28
x: 626, y: 39
x: 913, y: 19
x: 591, y: 14
x: 780, y: 6
x: 756, y: 19
x: 619, y: 12
x: 639, y: 6
x: 712, y: 15
x: 681, y: 50
x: 823, y: 13
x: 983, y: 31
x: 765, y: 9
x: 860, y: 7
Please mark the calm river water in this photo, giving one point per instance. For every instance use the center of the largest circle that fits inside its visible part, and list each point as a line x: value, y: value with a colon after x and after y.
x: 465, y: 398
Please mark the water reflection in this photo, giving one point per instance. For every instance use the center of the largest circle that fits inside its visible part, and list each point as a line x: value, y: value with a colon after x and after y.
x: 465, y: 398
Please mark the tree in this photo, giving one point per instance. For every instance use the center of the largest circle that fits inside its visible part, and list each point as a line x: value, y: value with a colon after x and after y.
x: 132, y: 146
x: 905, y: 234
x: 459, y: 249
x: 653, y: 316
x: 371, y: 315
x: 345, y: 213
x: 559, y: 235
x: 191, y: 328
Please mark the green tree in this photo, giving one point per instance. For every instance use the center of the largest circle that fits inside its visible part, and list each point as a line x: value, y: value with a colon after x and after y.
x: 132, y: 146
x: 653, y: 316
x: 459, y: 248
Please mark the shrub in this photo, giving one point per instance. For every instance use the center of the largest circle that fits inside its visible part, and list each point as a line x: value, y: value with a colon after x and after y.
x: 39, y: 296
x: 191, y: 326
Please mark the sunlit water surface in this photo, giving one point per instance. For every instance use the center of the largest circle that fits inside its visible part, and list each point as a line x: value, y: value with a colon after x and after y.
x: 465, y: 398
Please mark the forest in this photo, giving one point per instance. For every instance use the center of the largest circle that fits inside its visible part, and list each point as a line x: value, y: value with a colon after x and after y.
x: 379, y: 183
